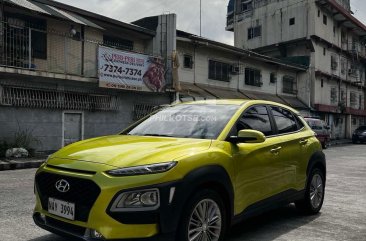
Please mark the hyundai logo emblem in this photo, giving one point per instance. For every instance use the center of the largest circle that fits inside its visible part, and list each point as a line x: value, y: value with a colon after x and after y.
x: 62, y: 186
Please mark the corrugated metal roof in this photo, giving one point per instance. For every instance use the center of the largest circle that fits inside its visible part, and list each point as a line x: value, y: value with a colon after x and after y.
x: 53, y: 11
x: 28, y: 5
x: 74, y: 18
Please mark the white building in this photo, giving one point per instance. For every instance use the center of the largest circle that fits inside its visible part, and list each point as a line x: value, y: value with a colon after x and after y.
x: 322, y: 34
x: 208, y: 69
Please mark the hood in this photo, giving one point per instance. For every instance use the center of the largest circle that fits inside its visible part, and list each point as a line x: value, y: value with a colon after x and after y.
x: 125, y: 151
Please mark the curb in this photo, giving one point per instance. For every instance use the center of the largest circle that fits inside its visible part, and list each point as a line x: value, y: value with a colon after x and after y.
x: 16, y: 165
x: 338, y: 143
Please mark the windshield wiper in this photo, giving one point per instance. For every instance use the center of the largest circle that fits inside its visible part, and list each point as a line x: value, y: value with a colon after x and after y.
x: 157, y: 135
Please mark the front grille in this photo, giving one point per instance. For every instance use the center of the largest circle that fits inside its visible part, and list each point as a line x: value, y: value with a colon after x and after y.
x: 83, y: 192
x: 70, y: 228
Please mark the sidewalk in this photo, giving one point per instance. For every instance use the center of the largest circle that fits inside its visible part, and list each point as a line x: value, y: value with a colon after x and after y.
x: 340, y: 142
x: 21, y: 163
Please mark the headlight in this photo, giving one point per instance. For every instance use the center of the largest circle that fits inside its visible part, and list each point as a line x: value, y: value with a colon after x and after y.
x: 143, y: 170
x: 141, y: 200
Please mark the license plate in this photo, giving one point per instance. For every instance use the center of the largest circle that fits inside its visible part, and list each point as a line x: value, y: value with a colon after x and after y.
x: 61, y: 208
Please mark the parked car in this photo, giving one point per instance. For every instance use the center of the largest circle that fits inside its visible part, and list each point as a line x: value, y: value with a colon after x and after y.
x: 359, y: 135
x: 321, y: 129
x: 186, y: 172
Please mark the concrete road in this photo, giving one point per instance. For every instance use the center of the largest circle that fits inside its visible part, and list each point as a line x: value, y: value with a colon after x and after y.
x: 343, y: 216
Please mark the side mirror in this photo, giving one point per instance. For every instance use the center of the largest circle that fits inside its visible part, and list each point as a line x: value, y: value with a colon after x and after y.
x: 248, y: 136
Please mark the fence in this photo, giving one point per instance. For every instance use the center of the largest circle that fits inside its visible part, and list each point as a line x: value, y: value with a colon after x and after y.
x: 32, y: 48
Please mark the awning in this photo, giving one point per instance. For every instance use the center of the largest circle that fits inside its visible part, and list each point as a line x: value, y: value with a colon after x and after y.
x: 264, y: 96
x: 223, y: 93
x: 28, y: 5
x: 53, y: 11
x: 294, y: 102
x: 191, y: 90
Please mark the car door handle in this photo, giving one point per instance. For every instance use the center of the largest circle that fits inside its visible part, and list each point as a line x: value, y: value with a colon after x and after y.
x: 303, y: 142
x: 276, y: 150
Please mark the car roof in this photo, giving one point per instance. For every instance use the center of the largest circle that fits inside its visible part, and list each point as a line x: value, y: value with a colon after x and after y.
x: 238, y: 102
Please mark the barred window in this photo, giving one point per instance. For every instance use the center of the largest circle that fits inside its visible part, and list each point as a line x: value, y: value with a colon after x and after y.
x: 118, y: 42
x: 254, y: 32
x: 333, y: 95
x: 246, y: 5
x: 53, y: 99
x: 289, y: 85
x: 353, y: 99
x: 253, y: 77
x: 219, y: 71
x: 188, y: 61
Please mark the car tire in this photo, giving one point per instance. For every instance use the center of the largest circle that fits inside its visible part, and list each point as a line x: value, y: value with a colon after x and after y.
x: 196, y: 225
x: 314, y: 193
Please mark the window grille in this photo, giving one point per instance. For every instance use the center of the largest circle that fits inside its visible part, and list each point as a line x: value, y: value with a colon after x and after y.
x: 289, y: 85
x: 219, y: 71
x: 253, y: 77
x: 353, y: 99
x: 333, y: 95
x: 53, y: 99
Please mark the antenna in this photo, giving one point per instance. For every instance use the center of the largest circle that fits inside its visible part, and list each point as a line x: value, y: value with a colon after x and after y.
x: 200, y: 18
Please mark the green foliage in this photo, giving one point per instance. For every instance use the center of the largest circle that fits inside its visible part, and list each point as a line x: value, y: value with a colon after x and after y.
x: 24, y: 139
x: 3, y: 147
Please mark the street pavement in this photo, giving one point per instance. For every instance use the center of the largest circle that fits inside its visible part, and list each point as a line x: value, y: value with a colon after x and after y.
x: 343, y: 216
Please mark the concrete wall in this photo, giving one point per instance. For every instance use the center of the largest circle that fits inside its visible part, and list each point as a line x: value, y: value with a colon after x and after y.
x: 274, y: 19
x: 46, y: 125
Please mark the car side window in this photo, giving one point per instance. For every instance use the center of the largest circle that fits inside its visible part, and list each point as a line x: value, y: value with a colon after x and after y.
x: 285, y: 120
x: 256, y: 118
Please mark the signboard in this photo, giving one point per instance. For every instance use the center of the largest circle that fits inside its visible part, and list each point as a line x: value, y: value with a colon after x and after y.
x: 130, y: 71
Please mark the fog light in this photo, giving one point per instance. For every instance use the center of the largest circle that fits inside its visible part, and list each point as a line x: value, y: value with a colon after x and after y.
x: 96, y: 234
x: 43, y: 217
x: 139, y: 200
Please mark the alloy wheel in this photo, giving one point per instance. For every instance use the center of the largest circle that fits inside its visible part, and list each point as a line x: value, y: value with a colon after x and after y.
x: 316, y: 191
x: 205, y: 222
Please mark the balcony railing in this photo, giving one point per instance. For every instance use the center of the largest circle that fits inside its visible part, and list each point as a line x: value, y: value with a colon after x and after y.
x: 51, y: 51
x: 357, y: 49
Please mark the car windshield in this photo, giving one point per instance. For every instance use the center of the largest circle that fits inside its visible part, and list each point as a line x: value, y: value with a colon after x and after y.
x: 204, y: 121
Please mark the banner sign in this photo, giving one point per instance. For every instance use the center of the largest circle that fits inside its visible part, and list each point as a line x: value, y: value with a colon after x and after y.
x: 130, y: 71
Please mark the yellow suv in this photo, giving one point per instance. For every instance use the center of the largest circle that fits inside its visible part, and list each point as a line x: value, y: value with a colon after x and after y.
x: 186, y: 172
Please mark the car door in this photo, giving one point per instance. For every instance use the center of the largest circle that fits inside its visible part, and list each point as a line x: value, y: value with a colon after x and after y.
x: 294, y: 145
x: 258, y: 166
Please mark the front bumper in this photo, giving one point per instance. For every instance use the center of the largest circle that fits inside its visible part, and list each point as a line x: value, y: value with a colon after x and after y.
x: 73, y: 231
x: 146, y: 225
x: 359, y: 138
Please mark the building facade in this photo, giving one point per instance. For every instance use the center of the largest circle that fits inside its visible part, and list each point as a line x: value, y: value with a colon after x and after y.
x: 50, y: 73
x: 322, y: 34
x: 207, y: 69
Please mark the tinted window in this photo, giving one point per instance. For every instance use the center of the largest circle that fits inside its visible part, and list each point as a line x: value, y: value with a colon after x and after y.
x: 256, y: 118
x: 285, y: 120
